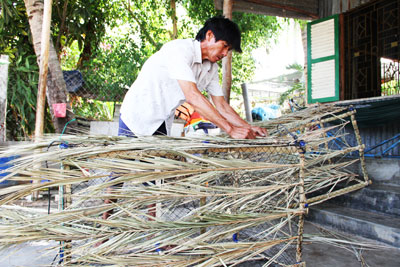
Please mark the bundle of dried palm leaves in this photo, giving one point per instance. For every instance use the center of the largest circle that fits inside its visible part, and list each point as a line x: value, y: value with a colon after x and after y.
x: 177, y: 201
x: 334, y: 157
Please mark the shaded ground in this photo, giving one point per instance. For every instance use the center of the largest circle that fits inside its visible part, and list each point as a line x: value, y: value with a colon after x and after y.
x: 322, y: 254
x: 317, y: 254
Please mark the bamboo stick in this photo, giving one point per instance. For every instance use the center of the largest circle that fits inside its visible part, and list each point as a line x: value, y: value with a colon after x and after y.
x: 44, y: 59
x: 302, y: 207
x: 361, y: 149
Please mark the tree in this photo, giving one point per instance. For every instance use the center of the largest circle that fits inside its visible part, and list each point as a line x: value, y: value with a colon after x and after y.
x: 131, y: 31
x: 296, y: 92
x: 72, y: 20
x: 81, y: 21
x: 115, y: 63
x: 56, y: 88
x: 23, y: 75
x: 149, y: 24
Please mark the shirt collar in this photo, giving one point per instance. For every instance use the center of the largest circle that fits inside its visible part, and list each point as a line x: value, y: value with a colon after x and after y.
x: 197, y: 52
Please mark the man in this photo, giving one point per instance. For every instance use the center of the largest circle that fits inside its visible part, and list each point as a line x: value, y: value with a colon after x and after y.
x: 176, y: 74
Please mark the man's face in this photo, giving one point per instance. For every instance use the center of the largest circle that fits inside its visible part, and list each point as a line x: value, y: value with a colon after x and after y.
x: 218, y: 50
x: 215, y: 50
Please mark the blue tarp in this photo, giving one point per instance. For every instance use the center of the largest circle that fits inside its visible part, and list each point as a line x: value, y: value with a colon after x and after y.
x: 4, y: 165
x: 266, y: 112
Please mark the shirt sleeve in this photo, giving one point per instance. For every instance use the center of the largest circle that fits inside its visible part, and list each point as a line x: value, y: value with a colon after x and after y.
x: 179, y: 59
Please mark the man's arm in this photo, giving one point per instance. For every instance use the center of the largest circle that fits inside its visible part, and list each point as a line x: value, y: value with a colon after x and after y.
x: 230, y: 114
x: 208, y: 111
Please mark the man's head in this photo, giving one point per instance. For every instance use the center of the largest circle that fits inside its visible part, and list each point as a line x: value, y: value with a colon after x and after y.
x: 218, y: 33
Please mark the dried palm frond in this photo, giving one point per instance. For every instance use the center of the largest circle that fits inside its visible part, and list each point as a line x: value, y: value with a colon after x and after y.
x: 213, y: 200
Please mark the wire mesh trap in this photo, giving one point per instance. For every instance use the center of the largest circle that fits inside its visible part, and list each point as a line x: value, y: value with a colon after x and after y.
x: 183, y: 202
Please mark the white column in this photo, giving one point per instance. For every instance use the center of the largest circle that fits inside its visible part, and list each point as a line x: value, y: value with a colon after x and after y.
x: 4, y: 62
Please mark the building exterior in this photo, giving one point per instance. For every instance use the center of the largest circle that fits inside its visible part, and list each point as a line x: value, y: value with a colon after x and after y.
x: 353, y: 56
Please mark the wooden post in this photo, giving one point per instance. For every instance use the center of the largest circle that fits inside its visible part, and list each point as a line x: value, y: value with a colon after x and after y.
x: 3, y: 95
x: 227, y: 61
x: 44, y: 59
x: 302, y: 204
x: 342, y: 65
x: 246, y: 101
x: 361, y: 150
x: 41, y: 96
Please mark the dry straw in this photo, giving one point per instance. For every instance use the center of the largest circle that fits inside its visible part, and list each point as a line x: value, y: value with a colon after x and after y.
x: 216, y: 201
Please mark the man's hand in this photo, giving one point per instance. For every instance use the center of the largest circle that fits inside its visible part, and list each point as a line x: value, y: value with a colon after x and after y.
x: 224, y: 116
x: 251, y: 132
x: 235, y: 120
x: 242, y: 133
x: 259, y: 131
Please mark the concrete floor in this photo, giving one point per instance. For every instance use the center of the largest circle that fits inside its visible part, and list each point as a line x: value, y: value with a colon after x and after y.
x: 315, y: 254
x: 28, y: 255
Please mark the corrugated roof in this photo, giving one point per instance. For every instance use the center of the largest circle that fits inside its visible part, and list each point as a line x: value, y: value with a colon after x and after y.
x: 306, y: 9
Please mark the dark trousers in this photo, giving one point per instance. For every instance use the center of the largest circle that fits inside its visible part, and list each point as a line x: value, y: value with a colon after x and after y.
x: 123, y: 130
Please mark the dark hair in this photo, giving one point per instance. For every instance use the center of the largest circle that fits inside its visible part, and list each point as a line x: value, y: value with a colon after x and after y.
x: 223, y: 29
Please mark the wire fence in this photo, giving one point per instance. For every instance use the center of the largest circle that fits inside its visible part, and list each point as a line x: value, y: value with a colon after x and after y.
x: 87, y: 84
x: 92, y: 96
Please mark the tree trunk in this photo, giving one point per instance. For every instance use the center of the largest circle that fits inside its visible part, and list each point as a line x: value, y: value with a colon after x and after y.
x: 87, y: 46
x: 174, y: 34
x: 58, y: 46
x: 56, y: 89
x: 227, y: 61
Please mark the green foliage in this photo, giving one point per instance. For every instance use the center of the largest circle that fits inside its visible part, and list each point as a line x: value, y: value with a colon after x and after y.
x: 69, y: 57
x: 75, y: 36
x: 257, y: 30
x: 243, y: 68
x: 150, y: 18
x: 200, y: 10
x: 302, y: 23
x: 23, y: 71
x: 297, y: 91
x: 22, y: 91
x: 113, y: 69
x: 93, y: 109
x: 14, y: 28
x: 81, y: 21
x: 390, y: 88
x: 116, y: 62
x: 295, y: 66
x: 109, y: 41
